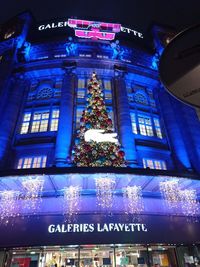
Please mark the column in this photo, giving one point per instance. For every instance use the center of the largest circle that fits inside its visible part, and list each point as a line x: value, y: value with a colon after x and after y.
x: 190, y: 128
x: 124, y: 119
x: 10, y: 115
x: 65, y: 127
x: 175, y: 137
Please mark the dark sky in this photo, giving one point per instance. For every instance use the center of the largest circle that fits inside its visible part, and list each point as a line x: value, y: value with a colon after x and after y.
x: 134, y: 13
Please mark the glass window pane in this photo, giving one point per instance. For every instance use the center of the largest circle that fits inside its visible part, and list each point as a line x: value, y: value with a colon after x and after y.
x: 44, y: 126
x: 107, y: 84
x: 81, y: 83
x: 27, y: 117
x: 54, y: 125
x: 24, y: 128
x: 55, y: 114
x: 44, y: 161
x: 45, y: 115
x: 35, y: 126
x: 32, y: 162
x: 142, y: 129
x: 37, y: 116
x: 36, y: 162
x: 133, y: 122
x: 19, y: 165
x: 154, y: 164
x: 27, y: 163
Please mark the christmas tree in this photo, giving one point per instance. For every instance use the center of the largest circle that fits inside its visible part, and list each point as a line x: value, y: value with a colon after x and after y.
x: 96, y: 145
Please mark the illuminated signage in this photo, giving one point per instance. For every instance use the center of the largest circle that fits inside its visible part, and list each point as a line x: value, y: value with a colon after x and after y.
x: 99, y: 227
x: 94, y: 30
x: 91, y: 29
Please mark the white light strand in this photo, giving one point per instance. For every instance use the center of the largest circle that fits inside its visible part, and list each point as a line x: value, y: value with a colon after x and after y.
x: 33, y: 190
x: 133, y: 201
x: 104, y: 191
x: 170, y: 191
x: 189, y: 203
x: 9, y: 205
x: 71, y: 202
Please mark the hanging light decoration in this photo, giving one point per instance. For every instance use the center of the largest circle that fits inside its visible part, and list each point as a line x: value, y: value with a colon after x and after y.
x: 71, y: 202
x: 170, y: 191
x: 189, y: 203
x: 8, y: 205
x: 104, y: 191
x: 33, y: 190
x: 133, y: 201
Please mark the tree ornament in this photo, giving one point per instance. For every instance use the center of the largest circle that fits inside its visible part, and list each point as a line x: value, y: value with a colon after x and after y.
x: 121, y: 154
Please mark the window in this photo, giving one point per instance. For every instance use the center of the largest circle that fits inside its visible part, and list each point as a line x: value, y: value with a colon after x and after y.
x: 154, y: 164
x: 107, y: 84
x: 54, y: 120
x: 79, y: 112
x: 145, y: 126
x: 81, y: 88
x: 25, y: 123
x: 81, y: 83
x: 32, y: 162
x: 81, y: 93
x: 107, y: 90
x: 40, y: 121
x: 157, y: 127
x: 134, y: 124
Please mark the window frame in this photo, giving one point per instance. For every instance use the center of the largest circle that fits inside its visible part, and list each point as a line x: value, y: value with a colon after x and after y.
x: 154, y: 164
x: 145, y: 128
x: 32, y: 162
x: 41, y: 124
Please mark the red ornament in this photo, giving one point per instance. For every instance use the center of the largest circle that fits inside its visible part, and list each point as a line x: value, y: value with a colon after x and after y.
x: 121, y: 154
x: 98, y: 113
x: 109, y: 121
x: 87, y: 148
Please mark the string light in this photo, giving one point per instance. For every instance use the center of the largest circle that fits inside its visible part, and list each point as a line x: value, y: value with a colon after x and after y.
x: 71, y: 203
x: 133, y: 199
x: 104, y: 191
x: 9, y: 205
x: 189, y: 205
x: 170, y: 191
x: 33, y: 189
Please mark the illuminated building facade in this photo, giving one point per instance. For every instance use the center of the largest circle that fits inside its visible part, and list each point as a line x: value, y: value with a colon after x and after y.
x: 57, y: 214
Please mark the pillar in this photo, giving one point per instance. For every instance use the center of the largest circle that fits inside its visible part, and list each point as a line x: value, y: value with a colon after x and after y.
x: 65, y: 126
x: 10, y: 116
x: 124, y: 119
x: 190, y: 128
x: 174, y: 133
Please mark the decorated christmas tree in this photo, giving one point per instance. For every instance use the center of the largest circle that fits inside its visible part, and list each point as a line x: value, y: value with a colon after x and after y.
x: 96, y: 145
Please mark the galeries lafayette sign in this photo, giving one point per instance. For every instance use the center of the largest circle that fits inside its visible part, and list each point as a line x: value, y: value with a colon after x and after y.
x: 98, y: 229
x: 91, y: 29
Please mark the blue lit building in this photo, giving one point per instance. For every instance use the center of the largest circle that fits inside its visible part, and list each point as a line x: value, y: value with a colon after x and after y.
x: 44, y: 72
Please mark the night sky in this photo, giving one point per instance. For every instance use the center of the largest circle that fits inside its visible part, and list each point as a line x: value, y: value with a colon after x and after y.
x: 138, y: 14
